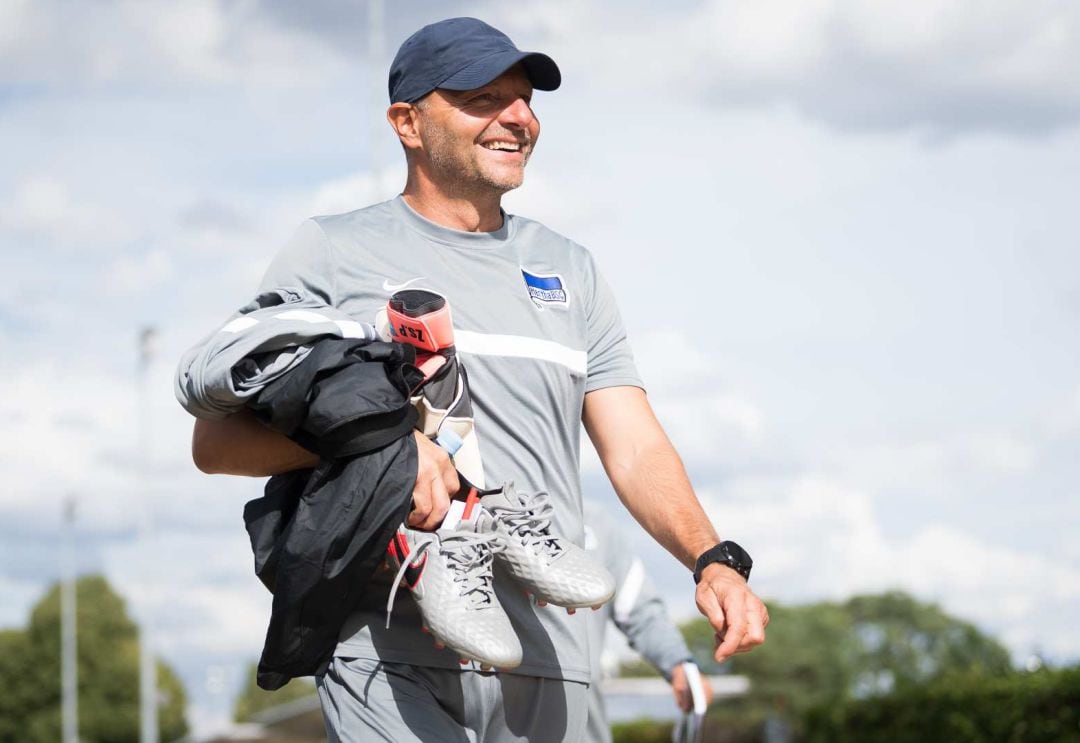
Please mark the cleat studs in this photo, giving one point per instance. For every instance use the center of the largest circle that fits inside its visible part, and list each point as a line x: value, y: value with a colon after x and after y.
x: 425, y: 630
x: 485, y: 666
x: 597, y: 607
x: 439, y: 645
x: 541, y: 602
x: 464, y: 662
x: 570, y: 610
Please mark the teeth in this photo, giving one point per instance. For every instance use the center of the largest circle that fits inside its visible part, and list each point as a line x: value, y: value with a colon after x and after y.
x: 509, y: 146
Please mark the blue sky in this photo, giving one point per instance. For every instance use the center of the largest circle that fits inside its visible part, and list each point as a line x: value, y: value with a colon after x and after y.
x: 843, y: 236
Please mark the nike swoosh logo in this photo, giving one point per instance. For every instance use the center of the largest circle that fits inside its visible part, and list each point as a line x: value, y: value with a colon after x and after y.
x: 387, y: 286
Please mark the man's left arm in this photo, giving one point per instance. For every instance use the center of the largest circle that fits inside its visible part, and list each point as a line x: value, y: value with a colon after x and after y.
x: 649, y: 477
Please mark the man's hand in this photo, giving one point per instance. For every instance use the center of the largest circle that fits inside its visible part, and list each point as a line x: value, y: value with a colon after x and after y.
x: 680, y: 686
x: 436, y: 481
x: 737, y: 616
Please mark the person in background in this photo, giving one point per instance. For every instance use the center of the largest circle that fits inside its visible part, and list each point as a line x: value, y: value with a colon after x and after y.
x: 640, y: 614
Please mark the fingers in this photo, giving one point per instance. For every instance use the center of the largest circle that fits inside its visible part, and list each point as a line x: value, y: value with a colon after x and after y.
x: 681, y: 689
x: 436, y: 480
x: 683, y: 699
x: 753, y: 632
x: 735, y: 613
x: 435, y: 462
x: 430, y: 505
x: 450, y: 482
x: 707, y: 688
x: 756, y: 619
x: 732, y: 635
x: 709, y: 606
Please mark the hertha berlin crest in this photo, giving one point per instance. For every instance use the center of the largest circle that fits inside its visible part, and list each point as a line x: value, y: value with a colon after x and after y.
x: 545, y: 289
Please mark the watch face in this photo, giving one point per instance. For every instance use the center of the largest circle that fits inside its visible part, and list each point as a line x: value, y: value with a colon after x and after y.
x: 738, y: 555
x: 725, y: 553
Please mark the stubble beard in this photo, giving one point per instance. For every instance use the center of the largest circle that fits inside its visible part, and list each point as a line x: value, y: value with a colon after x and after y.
x: 462, y: 172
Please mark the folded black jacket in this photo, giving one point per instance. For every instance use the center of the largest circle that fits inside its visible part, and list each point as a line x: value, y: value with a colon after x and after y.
x: 319, y: 534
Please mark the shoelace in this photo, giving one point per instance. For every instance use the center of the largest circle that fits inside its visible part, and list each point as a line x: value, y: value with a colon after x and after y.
x: 531, y: 522
x: 468, y: 555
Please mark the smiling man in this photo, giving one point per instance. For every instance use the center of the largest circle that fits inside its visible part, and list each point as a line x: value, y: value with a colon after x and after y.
x: 545, y: 348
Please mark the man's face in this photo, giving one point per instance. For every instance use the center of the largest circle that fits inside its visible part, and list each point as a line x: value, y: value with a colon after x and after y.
x: 482, y: 138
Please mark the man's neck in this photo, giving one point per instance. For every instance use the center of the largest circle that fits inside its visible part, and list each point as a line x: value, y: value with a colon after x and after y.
x: 465, y: 212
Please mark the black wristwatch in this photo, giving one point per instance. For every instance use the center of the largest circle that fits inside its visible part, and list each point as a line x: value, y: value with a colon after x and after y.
x: 725, y: 553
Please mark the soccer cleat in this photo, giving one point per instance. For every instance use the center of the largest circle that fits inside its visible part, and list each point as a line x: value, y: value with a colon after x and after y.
x: 552, y: 568
x: 449, y: 574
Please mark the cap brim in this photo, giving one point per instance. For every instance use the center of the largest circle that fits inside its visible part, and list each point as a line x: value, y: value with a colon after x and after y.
x: 542, y: 71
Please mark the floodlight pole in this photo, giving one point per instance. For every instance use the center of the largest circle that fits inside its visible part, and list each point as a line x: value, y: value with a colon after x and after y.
x: 148, y: 708
x: 69, y: 667
x: 378, y: 81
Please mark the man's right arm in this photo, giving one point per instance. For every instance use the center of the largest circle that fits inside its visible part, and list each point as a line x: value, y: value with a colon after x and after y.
x: 240, y: 445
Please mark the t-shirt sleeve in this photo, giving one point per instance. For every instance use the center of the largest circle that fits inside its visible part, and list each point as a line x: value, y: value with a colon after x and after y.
x: 611, y: 362
x: 304, y: 262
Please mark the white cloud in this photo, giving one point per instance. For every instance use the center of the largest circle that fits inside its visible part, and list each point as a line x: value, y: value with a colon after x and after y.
x: 354, y: 191
x: 705, y: 419
x: 818, y: 538
x: 939, y: 466
x: 129, y: 274
x: 1001, y: 65
x: 200, y: 606
x: 70, y: 426
x: 200, y: 42
x: 43, y: 205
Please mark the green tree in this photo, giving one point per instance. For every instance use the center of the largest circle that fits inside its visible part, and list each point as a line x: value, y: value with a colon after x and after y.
x: 252, y: 699
x: 1030, y: 707
x: 904, y: 643
x: 108, y: 671
x: 824, y: 653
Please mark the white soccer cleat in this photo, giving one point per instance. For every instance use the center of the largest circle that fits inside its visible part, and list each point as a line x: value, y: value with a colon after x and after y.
x: 449, y: 574
x: 552, y: 568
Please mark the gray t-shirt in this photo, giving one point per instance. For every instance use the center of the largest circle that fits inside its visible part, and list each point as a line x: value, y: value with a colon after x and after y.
x: 536, y: 328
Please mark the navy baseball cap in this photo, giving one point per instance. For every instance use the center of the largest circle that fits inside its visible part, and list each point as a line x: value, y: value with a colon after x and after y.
x: 462, y: 54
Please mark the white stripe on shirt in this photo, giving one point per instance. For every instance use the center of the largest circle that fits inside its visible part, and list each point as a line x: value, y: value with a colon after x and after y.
x: 519, y: 346
x: 628, y: 592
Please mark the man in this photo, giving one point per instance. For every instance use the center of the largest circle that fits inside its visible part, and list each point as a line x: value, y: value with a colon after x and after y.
x: 544, y: 346
x: 639, y: 613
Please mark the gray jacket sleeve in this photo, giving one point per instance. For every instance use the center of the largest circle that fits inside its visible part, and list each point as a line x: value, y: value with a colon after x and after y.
x: 637, y: 609
x: 263, y: 340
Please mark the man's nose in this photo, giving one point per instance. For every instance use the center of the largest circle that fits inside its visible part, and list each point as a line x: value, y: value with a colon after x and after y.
x: 517, y: 113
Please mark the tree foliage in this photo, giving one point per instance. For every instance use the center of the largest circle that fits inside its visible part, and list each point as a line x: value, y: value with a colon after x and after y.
x: 108, y: 673
x: 253, y: 699
x: 1029, y: 707
x: 819, y: 655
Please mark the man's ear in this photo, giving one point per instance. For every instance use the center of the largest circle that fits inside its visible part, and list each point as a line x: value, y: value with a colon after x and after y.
x: 404, y: 118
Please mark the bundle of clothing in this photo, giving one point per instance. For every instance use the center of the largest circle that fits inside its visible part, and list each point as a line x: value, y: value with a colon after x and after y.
x: 327, y: 382
x: 353, y: 394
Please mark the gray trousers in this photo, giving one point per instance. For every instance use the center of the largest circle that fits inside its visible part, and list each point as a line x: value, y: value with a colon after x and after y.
x: 370, y: 700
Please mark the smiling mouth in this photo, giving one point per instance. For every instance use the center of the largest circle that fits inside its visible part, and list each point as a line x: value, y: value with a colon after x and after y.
x: 503, y: 146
